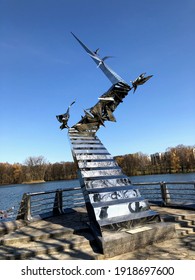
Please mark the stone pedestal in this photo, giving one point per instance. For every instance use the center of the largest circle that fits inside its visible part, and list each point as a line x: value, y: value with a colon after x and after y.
x: 117, y: 243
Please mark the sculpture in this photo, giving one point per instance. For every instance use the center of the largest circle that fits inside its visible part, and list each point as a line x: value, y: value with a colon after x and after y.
x: 64, y: 117
x: 103, y: 110
x: 141, y: 79
x: 111, y: 201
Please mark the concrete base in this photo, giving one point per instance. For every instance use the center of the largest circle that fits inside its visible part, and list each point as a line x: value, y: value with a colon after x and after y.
x: 117, y: 243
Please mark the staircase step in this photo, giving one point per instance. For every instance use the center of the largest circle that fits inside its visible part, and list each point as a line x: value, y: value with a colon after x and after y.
x: 72, y: 244
x: 6, y: 227
x: 27, y: 234
x: 184, y: 224
x: 190, y: 241
x: 190, y: 217
x: 184, y: 230
x: 87, y: 254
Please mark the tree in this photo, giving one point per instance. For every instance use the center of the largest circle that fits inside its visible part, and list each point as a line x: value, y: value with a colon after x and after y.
x: 35, y: 168
x: 17, y: 173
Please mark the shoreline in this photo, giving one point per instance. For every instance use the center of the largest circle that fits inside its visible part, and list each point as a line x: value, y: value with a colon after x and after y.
x: 43, y: 181
x: 33, y: 182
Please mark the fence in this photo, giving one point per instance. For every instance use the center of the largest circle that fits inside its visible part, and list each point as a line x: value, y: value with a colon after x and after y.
x: 49, y: 203
x: 169, y: 193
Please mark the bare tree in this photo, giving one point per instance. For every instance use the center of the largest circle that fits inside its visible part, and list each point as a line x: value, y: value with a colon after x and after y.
x: 35, y: 168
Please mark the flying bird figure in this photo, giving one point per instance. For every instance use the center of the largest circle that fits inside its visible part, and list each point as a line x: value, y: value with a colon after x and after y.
x: 96, y: 51
x: 140, y: 80
x: 65, y: 117
x: 101, y: 61
x: 110, y: 74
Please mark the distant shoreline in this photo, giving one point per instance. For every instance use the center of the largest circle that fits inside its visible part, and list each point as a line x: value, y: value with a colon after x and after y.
x: 33, y: 182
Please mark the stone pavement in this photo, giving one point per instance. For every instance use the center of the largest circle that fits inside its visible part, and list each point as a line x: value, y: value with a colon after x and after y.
x: 182, y: 248
x: 68, y: 237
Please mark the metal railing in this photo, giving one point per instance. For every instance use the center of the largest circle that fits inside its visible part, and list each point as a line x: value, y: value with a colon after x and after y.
x: 50, y: 203
x: 169, y: 193
x: 59, y: 201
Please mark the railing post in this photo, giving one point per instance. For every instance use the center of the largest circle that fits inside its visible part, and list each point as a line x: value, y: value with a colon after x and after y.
x: 165, y: 193
x: 58, y: 204
x: 21, y: 210
x: 27, y: 215
x: 24, y: 212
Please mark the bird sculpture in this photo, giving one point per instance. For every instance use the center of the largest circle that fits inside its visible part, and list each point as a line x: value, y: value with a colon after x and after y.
x: 65, y: 117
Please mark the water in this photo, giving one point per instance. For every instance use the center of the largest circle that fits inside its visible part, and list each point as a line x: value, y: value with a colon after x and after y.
x: 164, y: 177
x: 11, y: 195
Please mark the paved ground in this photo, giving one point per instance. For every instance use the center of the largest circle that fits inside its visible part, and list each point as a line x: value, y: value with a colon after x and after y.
x: 181, y: 248
x: 174, y: 249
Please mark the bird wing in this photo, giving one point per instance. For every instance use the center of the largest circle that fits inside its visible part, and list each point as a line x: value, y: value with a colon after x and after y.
x: 96, y: 51
x: 106, y: 57
x: 72, y: 103
x: 110, y: 74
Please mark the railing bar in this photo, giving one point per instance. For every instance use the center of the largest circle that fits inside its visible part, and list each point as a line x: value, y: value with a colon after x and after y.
x: 182, y: 198
x: 174, y: 189
x: 74, y: 192
x: 54, y: 191
x: 38, y: 205
x: 177, y: 183
x: 41, y: 210
x: 181, y: 191
x: 78, y: 198
x: 167, y: 183
x: 79, y: 203
x: 43, y: 199
x: 71, y: 198
x: 152, y: 188
x: 171, y: 189
x: 173, y: 193
x: 157, y: 191
x: 146, y: 184
x: 151, y: 194
x: 73, y: 195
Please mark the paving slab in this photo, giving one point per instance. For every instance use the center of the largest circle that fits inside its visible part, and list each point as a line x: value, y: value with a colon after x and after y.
x: 61, y: 238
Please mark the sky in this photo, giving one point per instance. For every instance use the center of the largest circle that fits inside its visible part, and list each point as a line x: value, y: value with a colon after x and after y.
x: 43, y: 69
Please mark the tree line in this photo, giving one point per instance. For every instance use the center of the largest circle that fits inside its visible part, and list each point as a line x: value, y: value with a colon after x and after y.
x: 36, y: 169
x: 174, y: 160
x: 179, y: 159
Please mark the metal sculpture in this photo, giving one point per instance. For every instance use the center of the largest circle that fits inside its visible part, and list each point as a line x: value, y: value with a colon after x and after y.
x: 111, y: 201
x: 64, y: 117
x: 140, y: 80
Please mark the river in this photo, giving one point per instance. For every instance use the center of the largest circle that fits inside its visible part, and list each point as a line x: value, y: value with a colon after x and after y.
x: 11, y: 195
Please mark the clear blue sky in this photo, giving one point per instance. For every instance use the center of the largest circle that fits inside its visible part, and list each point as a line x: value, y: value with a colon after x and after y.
x: 43, y: 69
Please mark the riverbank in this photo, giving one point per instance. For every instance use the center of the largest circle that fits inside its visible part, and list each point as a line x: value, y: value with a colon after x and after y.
x: 34, y: 182
x: 157, y: 175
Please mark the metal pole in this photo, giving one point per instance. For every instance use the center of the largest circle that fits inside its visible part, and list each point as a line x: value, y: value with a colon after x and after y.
x: 58, y: 204
x: 27, y: 215
x: 165, y: 193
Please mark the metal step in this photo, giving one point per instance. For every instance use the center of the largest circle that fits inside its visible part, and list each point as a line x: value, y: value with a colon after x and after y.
x: 135, y: 216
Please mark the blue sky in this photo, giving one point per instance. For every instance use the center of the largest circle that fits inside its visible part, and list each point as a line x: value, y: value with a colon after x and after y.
x: 43, y: 69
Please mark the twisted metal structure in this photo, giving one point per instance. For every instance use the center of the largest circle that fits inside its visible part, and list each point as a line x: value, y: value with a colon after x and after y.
x: 111, y: 201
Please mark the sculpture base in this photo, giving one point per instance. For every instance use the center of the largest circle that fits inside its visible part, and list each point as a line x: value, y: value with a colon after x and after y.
x: 113, y: 204
x: 117, y: 243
